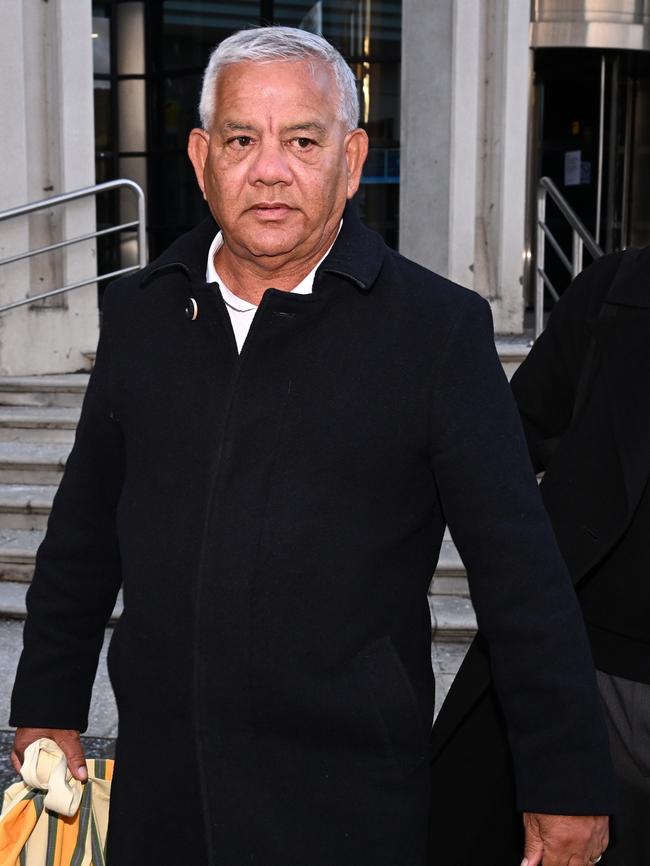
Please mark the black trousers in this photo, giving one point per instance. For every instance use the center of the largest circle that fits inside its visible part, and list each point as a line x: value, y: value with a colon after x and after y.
x: 627, y: 712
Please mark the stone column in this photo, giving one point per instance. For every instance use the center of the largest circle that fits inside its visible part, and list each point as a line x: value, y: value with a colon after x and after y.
x: 425, y: 152
x: 465, y: 75
x: 47, y: 104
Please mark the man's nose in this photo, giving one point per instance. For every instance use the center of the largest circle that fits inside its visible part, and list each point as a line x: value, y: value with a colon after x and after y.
x: 270, y: 165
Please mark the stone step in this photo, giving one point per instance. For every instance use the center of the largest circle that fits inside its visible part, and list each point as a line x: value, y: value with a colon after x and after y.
x: 512, y: 350
x: 38, y: 423
x: 452, y: 619
x: 32, y: 462
x: 51, y: 390
x: 449, y: 577
x: 25, y: 506
x: 17, y: 553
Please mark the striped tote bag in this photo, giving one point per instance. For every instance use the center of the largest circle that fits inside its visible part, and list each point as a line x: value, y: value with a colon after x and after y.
x: 51, y: 819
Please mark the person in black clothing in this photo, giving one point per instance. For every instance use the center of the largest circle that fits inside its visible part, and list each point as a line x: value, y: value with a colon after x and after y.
x: 597, y: 492
x: 584, y: 397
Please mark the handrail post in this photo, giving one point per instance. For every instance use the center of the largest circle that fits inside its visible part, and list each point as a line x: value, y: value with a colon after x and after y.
x: 540, y: 251
x: 580, y: 239
x: 142, y: 230
x: 577, y: 254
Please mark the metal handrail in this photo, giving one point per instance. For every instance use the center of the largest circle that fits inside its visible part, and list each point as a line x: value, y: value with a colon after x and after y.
x: 64, y: 198
x: 581, y: 238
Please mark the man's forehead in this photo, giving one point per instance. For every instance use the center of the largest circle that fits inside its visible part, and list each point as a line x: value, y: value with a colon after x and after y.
x: 252, y: 94
x: 297, y: 78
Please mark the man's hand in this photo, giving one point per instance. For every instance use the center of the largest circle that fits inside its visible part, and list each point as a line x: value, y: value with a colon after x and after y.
x: 68, y: 741
x: 564, y: 840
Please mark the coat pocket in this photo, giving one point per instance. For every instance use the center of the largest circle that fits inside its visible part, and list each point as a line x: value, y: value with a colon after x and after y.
x: 399, y: 724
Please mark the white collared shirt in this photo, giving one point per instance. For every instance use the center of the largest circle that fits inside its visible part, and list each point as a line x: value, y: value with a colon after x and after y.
x: 241, y: 312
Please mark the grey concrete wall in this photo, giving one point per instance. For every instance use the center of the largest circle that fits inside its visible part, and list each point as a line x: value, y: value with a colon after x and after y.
x: 426, y: 131
x: 464, y: 141
x: 47, y: 147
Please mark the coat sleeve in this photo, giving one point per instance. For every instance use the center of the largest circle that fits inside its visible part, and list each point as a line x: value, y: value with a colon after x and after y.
x: 77, y: 574
x: 545, y: 385
x: 525, y: 604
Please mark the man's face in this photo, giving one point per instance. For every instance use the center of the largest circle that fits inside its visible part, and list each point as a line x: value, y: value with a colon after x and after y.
x: 277, y: 165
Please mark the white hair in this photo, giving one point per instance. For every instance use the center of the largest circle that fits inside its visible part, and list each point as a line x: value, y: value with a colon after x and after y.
x: 272, y: 44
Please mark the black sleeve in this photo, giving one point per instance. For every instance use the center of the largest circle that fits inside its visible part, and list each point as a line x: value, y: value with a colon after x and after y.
x: 78, y: 574
x: 525, y: 603
x: 545, y: 384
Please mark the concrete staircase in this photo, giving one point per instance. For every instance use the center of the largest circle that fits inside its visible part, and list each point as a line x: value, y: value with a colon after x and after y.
x: 38, y: 417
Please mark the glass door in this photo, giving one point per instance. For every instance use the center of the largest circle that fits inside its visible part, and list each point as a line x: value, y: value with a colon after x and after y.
x: 591, y: 128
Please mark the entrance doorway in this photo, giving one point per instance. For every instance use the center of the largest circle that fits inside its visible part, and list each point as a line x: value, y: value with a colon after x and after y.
x: 591, y: 136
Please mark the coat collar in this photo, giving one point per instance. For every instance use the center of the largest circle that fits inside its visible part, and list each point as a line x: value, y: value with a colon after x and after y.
x: 357, y: 254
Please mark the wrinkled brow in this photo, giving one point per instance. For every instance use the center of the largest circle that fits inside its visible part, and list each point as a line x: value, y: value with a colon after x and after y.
x: 302, y: 126
x: 307, y: 126
x: 237, y: 126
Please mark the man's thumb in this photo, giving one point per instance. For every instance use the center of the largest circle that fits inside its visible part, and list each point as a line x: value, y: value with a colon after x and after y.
x: 74, y: 753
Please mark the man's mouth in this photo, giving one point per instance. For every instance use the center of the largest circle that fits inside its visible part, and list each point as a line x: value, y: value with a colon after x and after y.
x: 273, y: 210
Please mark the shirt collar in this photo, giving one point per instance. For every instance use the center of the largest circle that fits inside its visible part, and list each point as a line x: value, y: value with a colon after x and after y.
x: 357, y: 255
x: 304, y: 287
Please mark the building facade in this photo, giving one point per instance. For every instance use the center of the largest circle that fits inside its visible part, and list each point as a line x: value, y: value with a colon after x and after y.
x: 467, y: 104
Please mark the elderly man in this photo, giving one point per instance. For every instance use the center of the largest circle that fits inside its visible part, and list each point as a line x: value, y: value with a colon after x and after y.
x: 282, y: 417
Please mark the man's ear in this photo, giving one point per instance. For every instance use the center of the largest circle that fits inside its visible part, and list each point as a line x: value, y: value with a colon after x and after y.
x: 197, y: 150
x: 356, y: 151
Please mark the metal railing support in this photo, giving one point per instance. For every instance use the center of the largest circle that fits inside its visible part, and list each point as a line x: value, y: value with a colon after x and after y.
x: 580, y: 239
x: 541, y: 249
x: 65, y: 198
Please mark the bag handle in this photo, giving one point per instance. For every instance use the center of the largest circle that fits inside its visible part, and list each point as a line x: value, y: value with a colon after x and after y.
x: 45, y: 768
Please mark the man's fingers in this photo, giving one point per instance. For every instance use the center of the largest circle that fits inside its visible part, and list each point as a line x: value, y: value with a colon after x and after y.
x: 16, y: 763
x: 533, y: 842
x: 67, y: 740
x: 70, y: 744
x: 533, y: 858
x: 564, y: 840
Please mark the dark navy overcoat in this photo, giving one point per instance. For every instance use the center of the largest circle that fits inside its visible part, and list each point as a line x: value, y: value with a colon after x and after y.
x: 275, y: 519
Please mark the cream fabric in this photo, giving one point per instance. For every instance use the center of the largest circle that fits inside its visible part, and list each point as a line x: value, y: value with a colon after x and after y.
x: 51, y: 819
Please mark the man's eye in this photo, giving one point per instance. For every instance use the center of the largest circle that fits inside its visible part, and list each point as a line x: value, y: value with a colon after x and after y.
x: 241, y: 141
x: 303, y: 143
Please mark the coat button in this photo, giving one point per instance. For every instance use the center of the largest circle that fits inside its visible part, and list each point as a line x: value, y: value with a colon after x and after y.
x: 191, y: 309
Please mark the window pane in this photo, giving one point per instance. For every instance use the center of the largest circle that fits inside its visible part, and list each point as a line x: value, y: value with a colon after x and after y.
x: 175, y: 202
x: 133, y: 114
x: 379, y: 100
x: 101, y: 46
x: 378, y: 206
x: 180, y: 114
x: 192, y: 28
x: 358, y: 28
x: 103, y: 116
